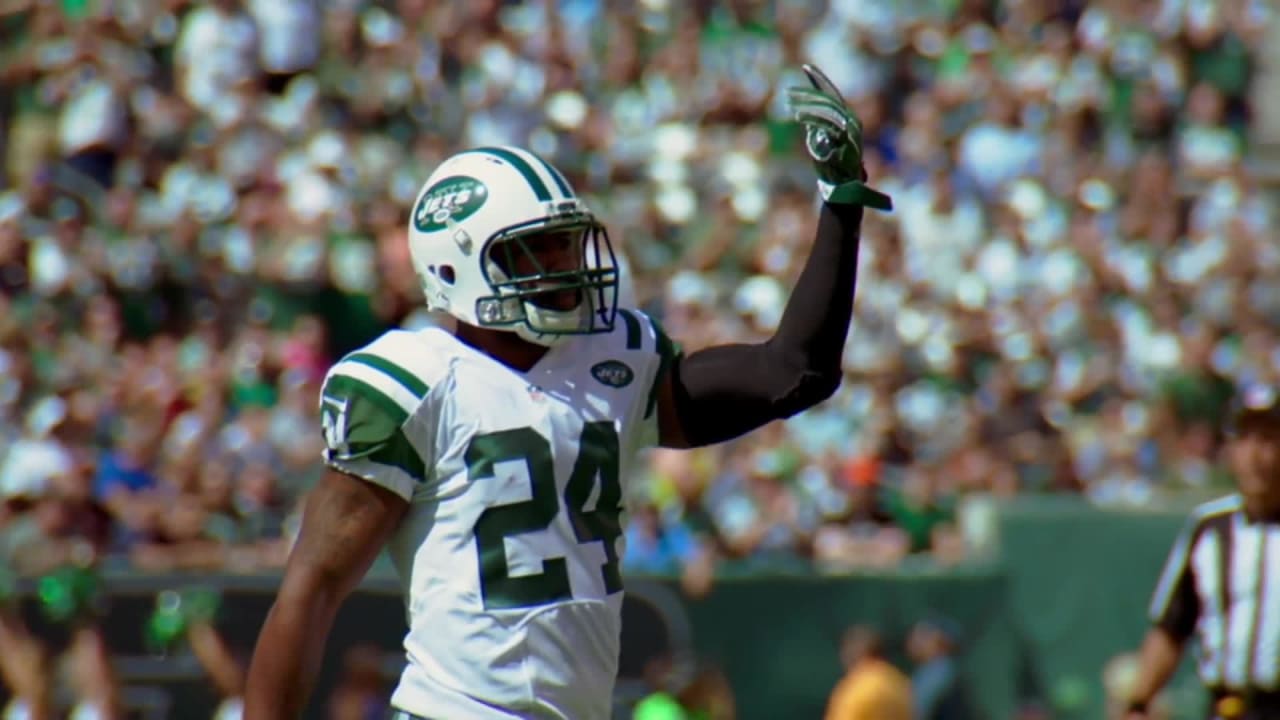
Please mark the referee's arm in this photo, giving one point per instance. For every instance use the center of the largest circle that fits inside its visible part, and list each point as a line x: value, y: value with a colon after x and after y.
x: 1175, y: 606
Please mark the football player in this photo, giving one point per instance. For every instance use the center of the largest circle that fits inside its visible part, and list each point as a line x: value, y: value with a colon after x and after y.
x: 490, y: 460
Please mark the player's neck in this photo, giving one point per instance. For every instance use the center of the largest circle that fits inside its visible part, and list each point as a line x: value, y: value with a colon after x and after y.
x: 1258, y: 511
x: 506, y: 347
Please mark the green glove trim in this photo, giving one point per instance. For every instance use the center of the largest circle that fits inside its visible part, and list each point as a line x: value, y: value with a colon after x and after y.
x: 856, y: 192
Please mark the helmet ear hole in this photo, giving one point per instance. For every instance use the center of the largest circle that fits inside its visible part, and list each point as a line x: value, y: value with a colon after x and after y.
x: 446, y: 273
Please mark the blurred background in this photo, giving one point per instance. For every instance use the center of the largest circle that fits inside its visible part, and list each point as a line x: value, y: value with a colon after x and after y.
x: 203, y: 205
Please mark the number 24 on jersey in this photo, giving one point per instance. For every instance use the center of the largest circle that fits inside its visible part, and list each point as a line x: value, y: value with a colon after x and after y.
x: 597, y: 456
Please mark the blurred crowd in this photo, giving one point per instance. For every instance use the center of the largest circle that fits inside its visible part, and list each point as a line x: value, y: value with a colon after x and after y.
x: 204, y: 206
x: 873, y: 687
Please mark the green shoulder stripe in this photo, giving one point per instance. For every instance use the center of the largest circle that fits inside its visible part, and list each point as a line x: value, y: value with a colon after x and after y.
x: 361, y: 423
x: 407, y: 380
x: 345, y: 393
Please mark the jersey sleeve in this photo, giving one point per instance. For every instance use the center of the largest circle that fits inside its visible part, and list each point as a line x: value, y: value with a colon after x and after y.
x: 1175, y: 606
x: 663, y: 352
x: 364, y: 406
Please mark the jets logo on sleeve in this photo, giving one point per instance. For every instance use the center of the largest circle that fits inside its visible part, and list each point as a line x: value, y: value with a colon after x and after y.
x: 333, y: 419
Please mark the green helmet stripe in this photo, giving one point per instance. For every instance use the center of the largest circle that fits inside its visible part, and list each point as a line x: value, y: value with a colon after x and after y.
x: 524, y: 168
x: 548, y: 170
x: 555, y: 175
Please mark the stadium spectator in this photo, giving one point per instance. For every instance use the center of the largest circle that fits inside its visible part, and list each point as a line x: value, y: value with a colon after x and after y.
x: 203, y: 207
x: 936, y: 687
x: 225, y: 671
x: 24, y: 667
x: 872, y: 688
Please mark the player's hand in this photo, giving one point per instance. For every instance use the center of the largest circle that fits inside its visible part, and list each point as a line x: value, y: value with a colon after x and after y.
x: 833, y: 138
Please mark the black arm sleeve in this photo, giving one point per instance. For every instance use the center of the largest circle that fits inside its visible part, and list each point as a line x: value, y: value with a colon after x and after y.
x: 725, y: 391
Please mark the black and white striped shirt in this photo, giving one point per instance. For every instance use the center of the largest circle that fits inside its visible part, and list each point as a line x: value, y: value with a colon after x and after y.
x: 1222, y: 583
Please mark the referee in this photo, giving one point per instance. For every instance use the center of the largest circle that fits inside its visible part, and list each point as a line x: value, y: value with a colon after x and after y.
x: 1222, y: 582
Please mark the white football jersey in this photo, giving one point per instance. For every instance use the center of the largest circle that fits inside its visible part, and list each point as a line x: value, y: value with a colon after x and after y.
x: 509, y: 555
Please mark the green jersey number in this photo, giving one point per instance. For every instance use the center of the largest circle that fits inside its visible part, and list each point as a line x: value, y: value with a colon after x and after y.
x: 597, y: 457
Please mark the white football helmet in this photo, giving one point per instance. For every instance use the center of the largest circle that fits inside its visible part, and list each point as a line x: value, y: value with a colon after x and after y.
x: 470, y: 225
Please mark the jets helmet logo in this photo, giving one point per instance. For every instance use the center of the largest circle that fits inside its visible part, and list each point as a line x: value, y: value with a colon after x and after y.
x: 456, y: 197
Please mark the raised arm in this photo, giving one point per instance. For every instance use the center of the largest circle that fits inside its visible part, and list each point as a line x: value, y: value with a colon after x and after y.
x: 346, y: 522
x: 719, y: 393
